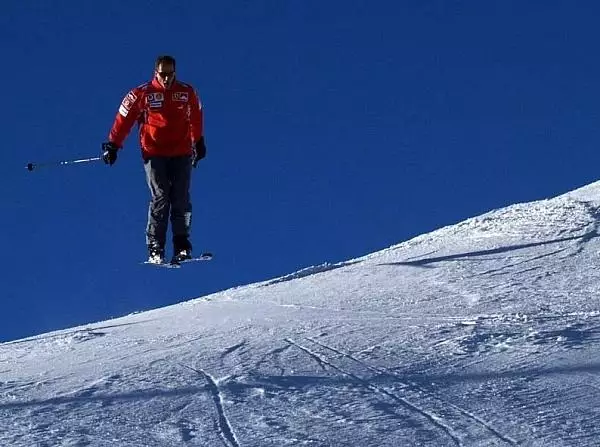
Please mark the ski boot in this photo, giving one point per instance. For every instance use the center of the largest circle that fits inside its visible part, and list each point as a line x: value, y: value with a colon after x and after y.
x: 182, y: 249
x: 156, y: 254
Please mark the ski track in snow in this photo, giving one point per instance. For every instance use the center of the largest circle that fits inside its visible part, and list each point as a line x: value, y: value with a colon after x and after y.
x: 434, y: 419
x: 224, y: 426
x: 233, y: 348
x: 444, y: 406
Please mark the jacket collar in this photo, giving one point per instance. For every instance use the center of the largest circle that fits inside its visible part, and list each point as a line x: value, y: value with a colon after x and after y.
x: 157, y: 85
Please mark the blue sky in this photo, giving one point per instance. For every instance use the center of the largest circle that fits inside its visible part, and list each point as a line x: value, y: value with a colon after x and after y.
x: 333, y: 129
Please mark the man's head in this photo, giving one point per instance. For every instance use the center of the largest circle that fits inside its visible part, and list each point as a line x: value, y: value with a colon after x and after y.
x: 164, y: 70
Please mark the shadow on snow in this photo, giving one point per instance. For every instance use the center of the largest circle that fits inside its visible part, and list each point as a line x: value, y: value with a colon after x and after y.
x: 494, y: 251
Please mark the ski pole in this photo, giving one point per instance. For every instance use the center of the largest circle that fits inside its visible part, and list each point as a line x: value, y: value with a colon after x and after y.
x: 32, y: 166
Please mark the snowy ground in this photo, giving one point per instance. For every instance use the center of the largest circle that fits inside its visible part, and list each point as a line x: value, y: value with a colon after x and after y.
x: 486, y: 333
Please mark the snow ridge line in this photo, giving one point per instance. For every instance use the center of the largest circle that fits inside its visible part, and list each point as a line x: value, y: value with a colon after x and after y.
x: 371, y: 386
x: 224, y: 426
x: 384, y: 371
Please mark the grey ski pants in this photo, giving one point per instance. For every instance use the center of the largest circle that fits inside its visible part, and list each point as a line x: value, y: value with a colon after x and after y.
x: 169, y: 181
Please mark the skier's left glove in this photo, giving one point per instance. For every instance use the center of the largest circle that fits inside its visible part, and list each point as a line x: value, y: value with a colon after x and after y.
x: 199, y: 151
x: 109, y: 153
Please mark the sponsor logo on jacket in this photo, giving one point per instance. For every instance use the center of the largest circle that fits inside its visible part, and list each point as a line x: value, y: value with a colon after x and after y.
x: 155, y: 100
x: 180, y: 96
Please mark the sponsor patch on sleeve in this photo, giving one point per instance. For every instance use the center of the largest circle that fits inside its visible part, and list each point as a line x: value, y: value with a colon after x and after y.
x: 127, y: 103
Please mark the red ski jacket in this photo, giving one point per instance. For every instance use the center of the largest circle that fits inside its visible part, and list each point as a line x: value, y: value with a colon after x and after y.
x: 170, y: 120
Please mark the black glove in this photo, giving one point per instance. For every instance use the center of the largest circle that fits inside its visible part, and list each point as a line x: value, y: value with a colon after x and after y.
x: 199, y: 151
x: 109, y: 153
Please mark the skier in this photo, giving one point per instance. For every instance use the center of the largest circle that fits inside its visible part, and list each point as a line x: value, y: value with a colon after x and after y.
x: 170, y: 119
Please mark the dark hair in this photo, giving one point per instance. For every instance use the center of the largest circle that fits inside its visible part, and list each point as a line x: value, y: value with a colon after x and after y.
x: 164, y: 59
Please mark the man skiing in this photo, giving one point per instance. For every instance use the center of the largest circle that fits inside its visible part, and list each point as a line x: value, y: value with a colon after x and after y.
x: 170, y: 120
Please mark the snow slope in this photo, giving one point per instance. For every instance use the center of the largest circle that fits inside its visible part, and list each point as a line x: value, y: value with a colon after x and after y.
x: 485, y: 333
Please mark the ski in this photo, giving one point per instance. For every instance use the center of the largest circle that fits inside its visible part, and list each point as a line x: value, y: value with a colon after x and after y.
x: 174, y: 264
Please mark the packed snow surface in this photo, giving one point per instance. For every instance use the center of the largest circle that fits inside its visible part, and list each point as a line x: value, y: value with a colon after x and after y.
x: 484, y: 333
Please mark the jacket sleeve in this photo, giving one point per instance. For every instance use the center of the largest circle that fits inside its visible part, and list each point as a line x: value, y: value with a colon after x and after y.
x: 196, y: 117
x: 129, y: 111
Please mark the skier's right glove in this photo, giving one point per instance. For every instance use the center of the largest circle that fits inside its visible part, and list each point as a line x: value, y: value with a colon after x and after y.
x: 199, y: 151
x: 109, y: 153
